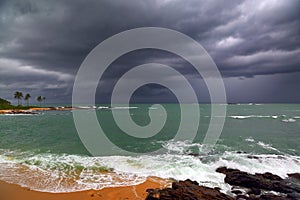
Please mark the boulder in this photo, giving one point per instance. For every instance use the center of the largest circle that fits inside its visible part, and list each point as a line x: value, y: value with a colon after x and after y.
x: 295, y: 176
x: 186, y: 190
x: 266, y: 181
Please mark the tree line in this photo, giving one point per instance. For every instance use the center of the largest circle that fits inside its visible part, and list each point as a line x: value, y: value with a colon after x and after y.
x: 19, y: 96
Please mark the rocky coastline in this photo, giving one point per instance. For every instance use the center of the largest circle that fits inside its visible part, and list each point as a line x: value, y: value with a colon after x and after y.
x: 244, y: 186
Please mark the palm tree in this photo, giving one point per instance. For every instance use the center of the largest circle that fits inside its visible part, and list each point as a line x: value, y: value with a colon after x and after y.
x: 26, y: 98
x: 18, y: 95
x: 39, y: 99
x: 44, y: 99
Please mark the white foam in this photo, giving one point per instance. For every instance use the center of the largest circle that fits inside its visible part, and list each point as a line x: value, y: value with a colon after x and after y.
x: 250, y: 116
x: 124, y: 107
x: 85, y: 107
x: 19, y: 114
x: 267, y: 146
x: 6, y: 159
x: 261, y: 116
x: 118, y: 107
x: 179, y: 147
x: 56, y: 171
x: 249, y: 139
x: 103, y: 107
x: 240, y: 116
x: 279, y: 165
x: 289, y: 120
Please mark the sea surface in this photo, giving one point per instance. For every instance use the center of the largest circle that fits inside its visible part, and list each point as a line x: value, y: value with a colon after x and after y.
x: 45, y: 153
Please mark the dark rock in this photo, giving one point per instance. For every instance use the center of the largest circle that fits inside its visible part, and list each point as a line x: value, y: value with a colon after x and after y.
x: 253, y: 157
x: 281, y: 157
x: 258, y: 186
x: 151, y: 198
x: 241, y: 197
x: 154, y: 193
x: 217, y: 188
x: 225, y: 170
x: 236, y: 192
x: 273, y: 197
x: 257, y: 182
x: 295, y: 176
x: 269, y: 176
x: 21, y: 112
x: 293, y: 195
x: 186, y: 190
x: 188, y: 183
x: 194, y: 154
x: 255, y: 191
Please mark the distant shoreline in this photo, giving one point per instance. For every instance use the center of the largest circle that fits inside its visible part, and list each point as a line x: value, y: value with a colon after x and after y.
x: 31, y: 110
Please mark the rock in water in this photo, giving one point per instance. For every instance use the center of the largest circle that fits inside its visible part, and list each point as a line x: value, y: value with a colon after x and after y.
x: 295, y: 176
x: 266, y: 181
x: 259, y: 187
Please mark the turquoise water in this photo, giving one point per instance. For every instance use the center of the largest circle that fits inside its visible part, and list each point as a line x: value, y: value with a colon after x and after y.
x: 47, y: 146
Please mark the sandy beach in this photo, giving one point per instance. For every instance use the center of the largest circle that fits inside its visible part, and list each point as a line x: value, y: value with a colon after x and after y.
x: 7, y: 111
x: 16, y: 192
x: 50, y: 108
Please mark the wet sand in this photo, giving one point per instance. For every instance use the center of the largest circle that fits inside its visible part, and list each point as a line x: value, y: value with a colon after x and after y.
x: 16, y: 192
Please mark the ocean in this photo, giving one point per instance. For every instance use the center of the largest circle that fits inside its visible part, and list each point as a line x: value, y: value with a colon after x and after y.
x: 44, y: 152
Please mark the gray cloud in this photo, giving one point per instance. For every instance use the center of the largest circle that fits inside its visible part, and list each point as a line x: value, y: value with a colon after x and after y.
x: 42, y: 43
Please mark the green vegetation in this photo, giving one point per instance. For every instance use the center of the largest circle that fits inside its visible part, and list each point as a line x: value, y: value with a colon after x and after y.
x: 26, y: 98
x: 39, y: 99
x: 44, y: 99
x: 4, y: 102
x: 18, y: 95
x: 6, y: 105
x: 12, y: 107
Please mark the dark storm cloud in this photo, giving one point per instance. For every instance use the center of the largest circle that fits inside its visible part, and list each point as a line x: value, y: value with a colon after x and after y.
x: 50, y: 39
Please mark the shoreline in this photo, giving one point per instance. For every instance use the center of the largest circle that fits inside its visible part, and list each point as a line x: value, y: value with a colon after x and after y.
x: 32, y: 110
x: 243, y: 185
x: 10, y: 191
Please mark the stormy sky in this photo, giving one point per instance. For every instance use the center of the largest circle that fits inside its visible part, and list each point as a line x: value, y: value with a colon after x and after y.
x: 255, y: 45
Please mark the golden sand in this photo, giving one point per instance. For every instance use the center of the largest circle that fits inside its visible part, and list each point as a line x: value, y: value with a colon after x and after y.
x: 34, y: 109
x: 15, y: 192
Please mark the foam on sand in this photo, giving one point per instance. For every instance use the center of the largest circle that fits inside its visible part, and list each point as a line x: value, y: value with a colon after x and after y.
x: 66, y: 173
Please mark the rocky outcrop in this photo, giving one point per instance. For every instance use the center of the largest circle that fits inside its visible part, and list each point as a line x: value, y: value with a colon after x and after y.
x: 186, y: 190
x: 295, y: 176
x: 245, y: 186
x: 288, y: 188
